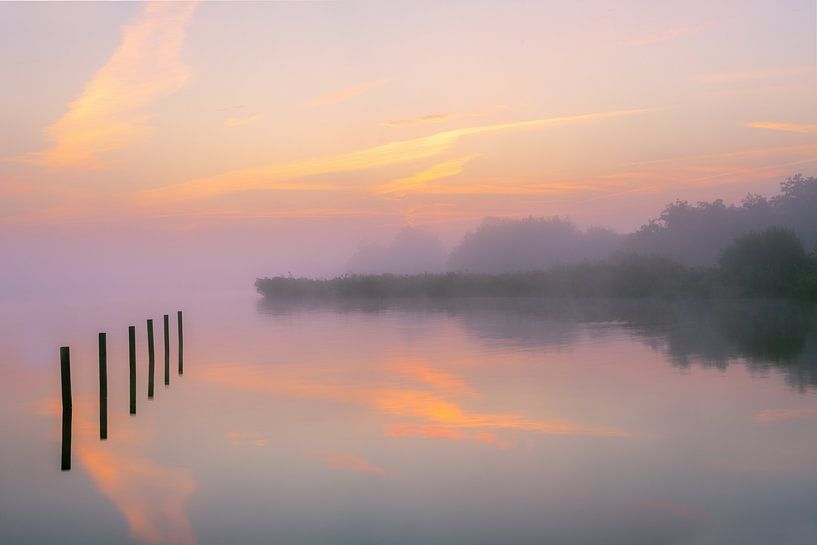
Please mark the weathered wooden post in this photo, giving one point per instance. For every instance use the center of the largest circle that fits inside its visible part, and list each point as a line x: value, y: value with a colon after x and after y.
x: 67, y: 407
x: 132, y: 361
x: 103, y: 386
x: 181, y: 342
x: 167, y: 349
x: 151, y: 359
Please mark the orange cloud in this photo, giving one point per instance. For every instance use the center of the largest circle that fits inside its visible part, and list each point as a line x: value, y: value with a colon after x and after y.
x: 352, y: 462
x: 431, y: 407
x: 734, y: 167
x: 151, y: 498
x: 785, y: 127
x: 347, y: 93
x: 435, y: 377
x: 426, y: 406
x: 270, y: 176
x: 421, y: 179
x: 110, y: 112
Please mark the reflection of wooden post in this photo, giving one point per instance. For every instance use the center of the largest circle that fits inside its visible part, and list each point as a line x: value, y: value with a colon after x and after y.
x: 132, y: 360
x: 181, y: 342
x: 67, y: 406
x: 167, y: 349
x: 151, y: 359
x: 103, y: 387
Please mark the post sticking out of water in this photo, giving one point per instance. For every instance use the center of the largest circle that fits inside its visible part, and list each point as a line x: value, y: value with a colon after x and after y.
x: 132, y: 360
x: 151, y: 359
x: 67, y: 407
x: 103, y: 386
x: 167, y: 349
x: 181, y: 342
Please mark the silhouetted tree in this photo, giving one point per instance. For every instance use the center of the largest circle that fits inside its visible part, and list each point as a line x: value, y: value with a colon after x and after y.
x: 696, y: 235
x: 765, y: 262
x: 507, y: 245
x: 410, y: 252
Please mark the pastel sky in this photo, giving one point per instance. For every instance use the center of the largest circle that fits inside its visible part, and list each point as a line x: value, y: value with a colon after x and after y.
x: 329, y: 122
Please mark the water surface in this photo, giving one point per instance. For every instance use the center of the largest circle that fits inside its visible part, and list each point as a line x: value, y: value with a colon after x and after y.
x: 481, y: 422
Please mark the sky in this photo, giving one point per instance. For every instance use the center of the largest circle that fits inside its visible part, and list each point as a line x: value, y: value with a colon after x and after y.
x: 183, y: 142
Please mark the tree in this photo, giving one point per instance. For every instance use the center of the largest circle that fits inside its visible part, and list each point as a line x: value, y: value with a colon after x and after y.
x: 766, y: 262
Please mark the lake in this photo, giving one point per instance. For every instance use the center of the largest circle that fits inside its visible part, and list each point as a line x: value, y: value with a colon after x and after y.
x: 463, y: 422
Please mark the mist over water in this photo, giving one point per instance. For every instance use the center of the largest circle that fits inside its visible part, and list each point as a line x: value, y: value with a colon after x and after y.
x: 466, y: 421
x: 408, y: 273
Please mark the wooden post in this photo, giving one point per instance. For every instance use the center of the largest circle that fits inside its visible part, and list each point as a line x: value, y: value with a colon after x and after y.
x: 151, y: 359
x: 103, y: 386
x: 67, y: 407
x: 167, y: 349
x: 132, y: 360
x: 181, y: 342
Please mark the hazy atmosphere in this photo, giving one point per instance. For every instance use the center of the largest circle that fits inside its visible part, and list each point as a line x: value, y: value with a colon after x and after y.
x: 408, y: 272
x: 144, y: 144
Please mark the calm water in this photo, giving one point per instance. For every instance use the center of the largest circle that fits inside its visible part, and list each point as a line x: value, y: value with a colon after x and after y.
x: 483, y: 423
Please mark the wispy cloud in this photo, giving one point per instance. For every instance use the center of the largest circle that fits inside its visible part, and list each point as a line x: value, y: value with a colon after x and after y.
x: 410, y: 406
x: 668, y: 35
x: 421, y: 179
x: 403, y: 151
x: 238, y: 121
x: 784, y: 127
x: 731, y: 167
x: 347, y: 92
x: 439, y: 379
x: 151, y: 497
x: 110, y: 112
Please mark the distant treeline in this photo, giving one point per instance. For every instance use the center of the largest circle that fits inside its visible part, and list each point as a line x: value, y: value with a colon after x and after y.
x: 762, y: 247
x: 769, y: 263
x: 694, y: 235
x: 697, y: 235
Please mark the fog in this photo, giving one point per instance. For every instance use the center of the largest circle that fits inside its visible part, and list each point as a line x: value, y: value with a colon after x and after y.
x: 693, y: 235
x: 104, y: 259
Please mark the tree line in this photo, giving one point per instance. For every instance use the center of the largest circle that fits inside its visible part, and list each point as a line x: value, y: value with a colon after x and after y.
x: 760, y: 247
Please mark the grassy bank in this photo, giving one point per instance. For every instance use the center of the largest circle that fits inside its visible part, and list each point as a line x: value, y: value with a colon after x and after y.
x: 635, y: 276
x: 769, y: 263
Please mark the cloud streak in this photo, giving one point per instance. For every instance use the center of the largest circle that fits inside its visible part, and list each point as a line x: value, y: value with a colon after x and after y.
x: 421, y: 179
x: 421, y: 412
x: 403, y: 151
x: 110, y: 113
x: 784, y: 127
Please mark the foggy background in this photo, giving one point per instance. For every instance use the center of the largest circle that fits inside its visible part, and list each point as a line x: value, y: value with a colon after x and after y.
x: 106, y: 259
